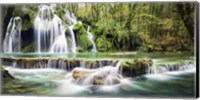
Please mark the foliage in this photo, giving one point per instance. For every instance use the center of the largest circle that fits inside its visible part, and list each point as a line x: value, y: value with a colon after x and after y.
x: 140, y: 26
x: 81, y: 37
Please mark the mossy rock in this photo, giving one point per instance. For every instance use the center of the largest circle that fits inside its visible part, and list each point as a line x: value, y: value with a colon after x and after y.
x: 79, y: 49
x: 5, y: 73
x: 27, y: 13
x: 132, y: 68
x: 81, y: 37
x: 28, y: 48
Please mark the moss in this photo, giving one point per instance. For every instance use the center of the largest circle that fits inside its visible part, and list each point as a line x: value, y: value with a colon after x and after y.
x: 132, y: 68
x: 60, y: 12
x: 1, y: 68
x: 5, y: 73
x: 28, y: 48
x: 79, y: 49
x: 103, y: 44
x: 81, y: 37
x: 27, y: 13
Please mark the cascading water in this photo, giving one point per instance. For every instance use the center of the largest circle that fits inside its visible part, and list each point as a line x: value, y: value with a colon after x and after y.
x: 49, y: 31
x: 71, y: 19
x: 169, y: 68
x: 104, y: 75
x: 59, y: 42
x: 72, y: 39
x: 42, y: 28
x: 12, y: 41
x: 90, y: 36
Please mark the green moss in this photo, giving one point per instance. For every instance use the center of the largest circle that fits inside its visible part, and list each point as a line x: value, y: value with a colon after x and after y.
x: 81, y: 37
x: 28, y: 48
x: 1, y: 68
x: 103, y: 44
x: 60, y: 12
x: 27, y: 13
x: 135, y: 67
x: 5, y: 73
x: 79, y: 49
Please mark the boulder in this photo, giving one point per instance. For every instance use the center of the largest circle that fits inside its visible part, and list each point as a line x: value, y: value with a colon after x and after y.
x: 135, y: 67
x: 95, y: 77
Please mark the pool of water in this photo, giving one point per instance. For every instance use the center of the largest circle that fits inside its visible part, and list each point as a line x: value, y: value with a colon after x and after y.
x: 49, y: 83
x: 97, y: 55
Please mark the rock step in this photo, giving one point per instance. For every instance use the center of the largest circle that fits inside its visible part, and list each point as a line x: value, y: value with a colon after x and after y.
x: 129, y: 68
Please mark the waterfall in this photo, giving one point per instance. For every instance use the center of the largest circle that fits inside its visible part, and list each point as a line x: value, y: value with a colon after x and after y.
x: 49, y: 31
x: 12, y: 41
x: 151, y: 70
x: 72, y: 41
x: 169, y: 68
x: 58, y: 40
x: 90, y: 36
x: 60, y: 45
x: 42, y: 27
x: 71, y: 19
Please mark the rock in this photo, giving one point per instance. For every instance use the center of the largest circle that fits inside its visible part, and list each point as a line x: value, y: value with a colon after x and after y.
x: 132, y: 68
x: 96, y: 77
x: 98, y: 80
x: 81, y: 38
x: 5, y: 73
x: 81, y: 73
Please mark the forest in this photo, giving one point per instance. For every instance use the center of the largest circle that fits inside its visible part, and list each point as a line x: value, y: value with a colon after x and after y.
x: 146, y: 27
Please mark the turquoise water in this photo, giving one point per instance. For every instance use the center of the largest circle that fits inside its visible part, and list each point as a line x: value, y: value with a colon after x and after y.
x: 172, y: 56
x: 157, y: 85
x: 51, y: 82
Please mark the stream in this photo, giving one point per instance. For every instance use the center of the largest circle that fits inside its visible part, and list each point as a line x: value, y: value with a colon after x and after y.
x: 56, y: 82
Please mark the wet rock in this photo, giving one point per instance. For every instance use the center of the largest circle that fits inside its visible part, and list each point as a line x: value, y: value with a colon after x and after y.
x: 98, y: 80
x: 95, y: 77
x: 79, y: 73
x: 132, y: 68
x: 129, y: 68
x: 5, y: 73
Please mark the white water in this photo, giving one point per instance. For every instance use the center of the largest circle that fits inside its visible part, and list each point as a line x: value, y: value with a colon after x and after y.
x: 107, y: 75
x: 73, y: 41
x: 12, y: 41
x: 61, y: 64
x: 60, y: 44
x: 90, y: 36
x: 169, y: 68
x: 112, y: 81
x: 50, y: 32
x: 71, y: 19
x: 42, y: 29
